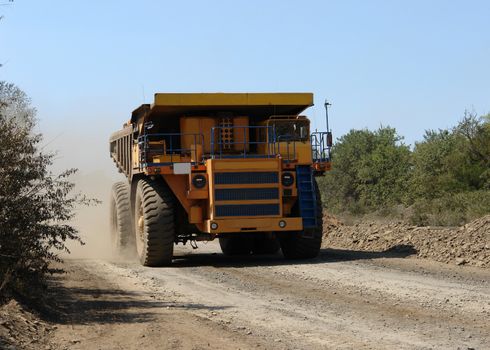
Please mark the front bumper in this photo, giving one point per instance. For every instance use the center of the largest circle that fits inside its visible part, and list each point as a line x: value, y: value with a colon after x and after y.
x: 253, y: 225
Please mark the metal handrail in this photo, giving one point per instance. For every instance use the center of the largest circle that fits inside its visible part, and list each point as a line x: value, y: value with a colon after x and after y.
x: 168, y: 149
x: 288, y: 139
x: 321, y: 146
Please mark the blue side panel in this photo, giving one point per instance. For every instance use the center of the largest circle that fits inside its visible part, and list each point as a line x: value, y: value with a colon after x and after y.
x: 306, y: 196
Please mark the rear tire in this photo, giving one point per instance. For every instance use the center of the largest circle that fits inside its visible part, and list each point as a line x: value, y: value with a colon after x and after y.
x: 154, y: 223
x: 265, y: 244
x: 236, y: 244
x: 295, y: 245
x: 122, y: 236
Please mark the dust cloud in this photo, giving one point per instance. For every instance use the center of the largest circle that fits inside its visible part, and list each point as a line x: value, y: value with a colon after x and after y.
x: 93, y: 221
x: 78, y: 144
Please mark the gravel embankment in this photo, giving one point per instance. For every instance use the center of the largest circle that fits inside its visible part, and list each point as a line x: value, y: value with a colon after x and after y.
x: 468, y: 244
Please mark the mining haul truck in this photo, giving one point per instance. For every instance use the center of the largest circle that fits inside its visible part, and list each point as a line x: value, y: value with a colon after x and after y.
x: 239, y: 167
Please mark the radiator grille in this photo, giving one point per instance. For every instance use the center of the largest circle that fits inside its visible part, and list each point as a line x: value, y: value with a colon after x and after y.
x: 269, y: 177
x: 247, y: 210
x: 237, y: 194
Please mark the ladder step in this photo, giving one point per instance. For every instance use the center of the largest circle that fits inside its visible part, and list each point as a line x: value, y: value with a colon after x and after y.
x: 309, y: 213
x: 306, y: 196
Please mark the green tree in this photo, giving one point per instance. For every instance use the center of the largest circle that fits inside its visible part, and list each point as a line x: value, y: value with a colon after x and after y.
x: 35, y: 205
x: 452, y: 161
x: 476, y: 147
x: 371, y: 171
x: 451, y: 173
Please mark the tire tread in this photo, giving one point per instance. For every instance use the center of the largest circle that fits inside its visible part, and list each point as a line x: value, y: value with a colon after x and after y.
x: 159, y: 228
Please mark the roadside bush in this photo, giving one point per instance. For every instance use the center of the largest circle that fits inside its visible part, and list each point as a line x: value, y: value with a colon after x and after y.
x: 451, y: 209
x: 35, y: 205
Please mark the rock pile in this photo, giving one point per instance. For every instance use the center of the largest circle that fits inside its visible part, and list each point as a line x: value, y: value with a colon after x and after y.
x: 21, y: 329
x: 468, y: 244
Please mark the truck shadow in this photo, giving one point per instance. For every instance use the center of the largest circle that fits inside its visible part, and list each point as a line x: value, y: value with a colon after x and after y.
x: 397, y: 251
x: 93, y: 305
x: 326, y: 255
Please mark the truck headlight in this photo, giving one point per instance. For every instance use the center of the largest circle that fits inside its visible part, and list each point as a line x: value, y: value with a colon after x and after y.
x: 287, y: 179
x: 199, y: 181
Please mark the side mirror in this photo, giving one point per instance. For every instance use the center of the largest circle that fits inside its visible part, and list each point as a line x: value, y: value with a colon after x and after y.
x: 329, y: 139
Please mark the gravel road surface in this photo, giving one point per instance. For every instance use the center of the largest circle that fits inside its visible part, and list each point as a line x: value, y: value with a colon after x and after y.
x: 341, y: 300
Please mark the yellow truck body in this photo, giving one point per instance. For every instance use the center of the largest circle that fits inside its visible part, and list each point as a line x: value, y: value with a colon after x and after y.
x: 235, y: 166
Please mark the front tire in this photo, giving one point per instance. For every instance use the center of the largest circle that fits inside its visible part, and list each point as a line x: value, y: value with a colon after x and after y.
x: 154, y: 223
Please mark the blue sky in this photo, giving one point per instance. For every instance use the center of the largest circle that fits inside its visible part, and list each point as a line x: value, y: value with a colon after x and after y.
x: 413, y: 65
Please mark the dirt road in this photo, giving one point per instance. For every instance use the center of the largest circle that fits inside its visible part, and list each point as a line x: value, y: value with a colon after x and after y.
x: 342, y: 300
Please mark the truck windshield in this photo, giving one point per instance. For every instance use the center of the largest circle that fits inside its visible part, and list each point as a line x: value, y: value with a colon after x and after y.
x: 291, y: 130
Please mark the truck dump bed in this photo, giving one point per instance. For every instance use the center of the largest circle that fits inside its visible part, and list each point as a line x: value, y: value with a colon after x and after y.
x: 251, y: 104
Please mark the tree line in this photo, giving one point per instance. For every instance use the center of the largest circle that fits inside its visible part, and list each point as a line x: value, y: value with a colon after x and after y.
x: 444, y: 179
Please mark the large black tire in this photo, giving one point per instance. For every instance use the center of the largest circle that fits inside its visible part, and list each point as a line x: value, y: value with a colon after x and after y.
x: 236, y: 244
x: 296, y: 245
x: 265, y: 244
x: 154, y: 223
x: 122, y: 236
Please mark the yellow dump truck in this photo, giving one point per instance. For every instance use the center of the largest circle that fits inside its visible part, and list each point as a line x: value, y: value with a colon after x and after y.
x: 239, y: 167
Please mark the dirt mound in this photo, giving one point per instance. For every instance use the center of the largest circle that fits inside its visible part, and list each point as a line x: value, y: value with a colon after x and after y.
x: 468, y: 244
x: 330, y: 222
x: 21, y: 329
